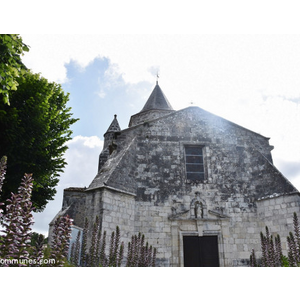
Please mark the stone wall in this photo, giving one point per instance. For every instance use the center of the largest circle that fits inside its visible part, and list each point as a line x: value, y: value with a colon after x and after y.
x: 118, y: 210
x: 147, y: 116
x: 276, y: 212
x: 244, y: 232
x: 142, y: 187
x: 237, y: 161
x: 152, y: 221
x: 74, y: 200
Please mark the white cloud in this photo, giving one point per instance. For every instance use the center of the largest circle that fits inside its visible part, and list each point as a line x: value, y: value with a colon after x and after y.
x: 207, y: 67
x: 82, y: 159
x: 101, y: 94
x: 154, y: 70
x: 90, y: 142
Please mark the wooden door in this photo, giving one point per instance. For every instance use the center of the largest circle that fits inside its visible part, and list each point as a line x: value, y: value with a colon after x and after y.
x: 201, y: 251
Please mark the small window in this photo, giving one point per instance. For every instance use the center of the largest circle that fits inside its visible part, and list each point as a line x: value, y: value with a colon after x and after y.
x: 194, y: 163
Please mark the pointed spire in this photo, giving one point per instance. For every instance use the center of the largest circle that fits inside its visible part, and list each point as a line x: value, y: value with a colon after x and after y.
x: 157, y: 100
x: 114, y: 126
x: 110, y: 144
x: 156, y: 106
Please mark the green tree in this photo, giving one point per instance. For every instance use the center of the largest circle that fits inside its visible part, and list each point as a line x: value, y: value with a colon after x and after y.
x: 11, y: 66
x: 34, y: 130
x: 38, y: 238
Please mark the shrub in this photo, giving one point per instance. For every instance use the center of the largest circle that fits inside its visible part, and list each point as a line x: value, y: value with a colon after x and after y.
x: 139, y: 254
x: 61, y: 240
x: 272, y: 252
x: 15, y: 244
x: 17, y: 222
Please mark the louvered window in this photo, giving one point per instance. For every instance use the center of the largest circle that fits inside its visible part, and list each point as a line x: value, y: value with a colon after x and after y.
x: 194, y: 163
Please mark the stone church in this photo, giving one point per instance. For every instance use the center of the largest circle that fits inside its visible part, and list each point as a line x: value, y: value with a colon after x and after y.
x: 200, y: 187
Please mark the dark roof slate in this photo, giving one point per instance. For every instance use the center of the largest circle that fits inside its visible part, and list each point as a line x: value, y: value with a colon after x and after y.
x: 157, y: 100
x: 114, y: 126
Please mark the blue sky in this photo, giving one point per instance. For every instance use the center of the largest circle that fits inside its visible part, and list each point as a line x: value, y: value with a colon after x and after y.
x: 252, y: 80
x: 96, y: 95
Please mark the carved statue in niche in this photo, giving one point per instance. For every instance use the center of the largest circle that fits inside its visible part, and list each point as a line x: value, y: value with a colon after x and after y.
x: 198, y: 207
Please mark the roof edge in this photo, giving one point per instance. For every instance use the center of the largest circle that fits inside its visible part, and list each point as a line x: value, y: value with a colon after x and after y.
x: 235, y: 124
x: 110, y: 188
x: 194, y: 107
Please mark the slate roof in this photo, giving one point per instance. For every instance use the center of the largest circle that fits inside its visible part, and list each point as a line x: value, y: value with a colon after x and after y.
x: 122, y: 167
x: 113, y: 169
x: 114, y: 126
x: 157, y: 100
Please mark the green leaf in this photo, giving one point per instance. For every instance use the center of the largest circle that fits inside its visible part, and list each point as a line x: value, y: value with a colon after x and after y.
x: 11, y: 66
x: 34, y: 130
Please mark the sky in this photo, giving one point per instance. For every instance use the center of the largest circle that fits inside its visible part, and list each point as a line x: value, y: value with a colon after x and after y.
x: 237, y: 59
x: 251, y: 80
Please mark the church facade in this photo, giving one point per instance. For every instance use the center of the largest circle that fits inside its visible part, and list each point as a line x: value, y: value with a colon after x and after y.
x: 199, y: 187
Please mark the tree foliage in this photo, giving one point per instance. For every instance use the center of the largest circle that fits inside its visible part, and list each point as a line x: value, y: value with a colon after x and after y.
x: 34, y: 130
x: 11, y: 66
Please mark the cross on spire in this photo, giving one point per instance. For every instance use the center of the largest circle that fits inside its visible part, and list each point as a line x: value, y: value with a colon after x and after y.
x: 157, y: 78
